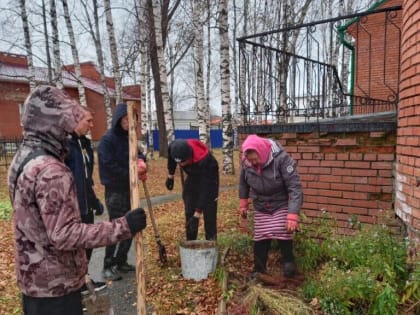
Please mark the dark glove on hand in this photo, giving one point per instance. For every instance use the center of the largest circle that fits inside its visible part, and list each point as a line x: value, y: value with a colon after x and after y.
x: 192, y: 225
x: 99, y: 209
x: 136, y: 220
x: 170, y: 183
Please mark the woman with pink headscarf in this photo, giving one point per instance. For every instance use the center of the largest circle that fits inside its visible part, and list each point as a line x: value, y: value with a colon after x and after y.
x: 270, y: 178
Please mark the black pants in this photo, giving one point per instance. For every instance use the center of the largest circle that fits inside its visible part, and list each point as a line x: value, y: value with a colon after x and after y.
x: 118, y: 204
x: 70, y: 304
x: 261, y: 249
x: 209, y: 216
x: 88, y: 219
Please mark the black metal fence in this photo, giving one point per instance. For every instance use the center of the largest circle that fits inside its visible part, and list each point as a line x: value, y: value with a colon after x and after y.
x: 317, y: 70
x: 8, y: 148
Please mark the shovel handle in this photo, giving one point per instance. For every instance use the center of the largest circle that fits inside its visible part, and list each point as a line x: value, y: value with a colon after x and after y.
x: 150, y: 208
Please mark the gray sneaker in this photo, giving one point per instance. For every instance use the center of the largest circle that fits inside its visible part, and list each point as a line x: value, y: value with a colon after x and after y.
x: 111, y: 274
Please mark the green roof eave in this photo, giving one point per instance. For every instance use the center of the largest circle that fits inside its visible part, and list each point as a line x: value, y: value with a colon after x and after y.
x: 354, y: 20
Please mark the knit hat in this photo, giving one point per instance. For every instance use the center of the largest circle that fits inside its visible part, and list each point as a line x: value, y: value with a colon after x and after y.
x: 180, y: 150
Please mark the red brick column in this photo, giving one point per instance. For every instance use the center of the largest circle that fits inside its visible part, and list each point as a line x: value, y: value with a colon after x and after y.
x: 407, y: 188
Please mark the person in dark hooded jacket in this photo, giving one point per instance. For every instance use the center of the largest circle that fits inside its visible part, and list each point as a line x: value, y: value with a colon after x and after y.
x: 201, y: 187
x: 113, y: 159
x: 50, y: 238
x: 80, y: 160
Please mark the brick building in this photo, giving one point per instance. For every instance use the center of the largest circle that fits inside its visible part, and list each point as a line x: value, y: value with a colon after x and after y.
x: 14, y: 88
x: 376, y: 52
x: 366, y: 168
x: 407, y: 182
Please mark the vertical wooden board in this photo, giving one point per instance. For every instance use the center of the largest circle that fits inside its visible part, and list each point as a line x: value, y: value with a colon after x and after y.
x: 135, y: 203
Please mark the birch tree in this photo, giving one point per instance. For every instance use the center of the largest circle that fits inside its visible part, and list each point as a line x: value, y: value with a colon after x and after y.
x: 163, y: 141
x: 28, y: 45
x: 75, y: 54
x: 202, y: 106
x: 208, y: 80
x: 149, y: 108
x: 93, y: 30
x: 293, y: 14
x: 114, y: 52
x: 242, y: 76
x: 235, y: 68
x: 156, y: 48
x: 168, y: 111
x: 225, y: 89
x: 145, y: 113
x: 47, y: 41
x: 58, y: 78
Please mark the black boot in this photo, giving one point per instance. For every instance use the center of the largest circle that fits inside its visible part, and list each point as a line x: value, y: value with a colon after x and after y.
x: 289, y: 269
x: 261, y: 249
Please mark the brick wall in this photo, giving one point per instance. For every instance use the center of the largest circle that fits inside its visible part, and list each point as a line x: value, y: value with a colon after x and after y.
x: 377, y: 54
x: 11, y: 95
x: 346, y: 175
x: 407, y: 205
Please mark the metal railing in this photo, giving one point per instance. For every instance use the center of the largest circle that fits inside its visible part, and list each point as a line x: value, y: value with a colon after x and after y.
x: 331, y: 68
x: 8, y: 148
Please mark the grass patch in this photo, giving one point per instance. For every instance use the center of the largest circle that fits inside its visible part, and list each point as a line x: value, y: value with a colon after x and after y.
x: 5, y: 209
x: 366, y: 273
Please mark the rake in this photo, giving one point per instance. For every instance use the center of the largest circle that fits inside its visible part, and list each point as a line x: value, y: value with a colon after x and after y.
x: 162, y: 250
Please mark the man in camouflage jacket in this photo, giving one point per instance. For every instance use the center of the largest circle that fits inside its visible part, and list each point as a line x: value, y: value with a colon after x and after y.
x: 50, y: 239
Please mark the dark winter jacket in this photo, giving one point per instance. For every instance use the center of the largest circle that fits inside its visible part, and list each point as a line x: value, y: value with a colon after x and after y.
x: 113, y: 154
x: 278, y: 185
x: 80, y: 160
x: 50, y: 239
x: 203, y: 173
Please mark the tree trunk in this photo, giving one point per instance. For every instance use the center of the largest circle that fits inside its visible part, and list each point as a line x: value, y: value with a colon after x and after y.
x: 96, y: 37
x: 167, y: 109
x: 208, y: 80
x: 28, y: 45
x: 149, y: 110
x: 58, y: 79
x: 77, y: 70
x: 143, y: 66
x: 114, y: 52
x: 163, y: 141
x: 47, y: 42
x: 243, y: 65
x: 202, y: 109
x: 235, y: 71
x: 225, y: 89
x: 98, y: 47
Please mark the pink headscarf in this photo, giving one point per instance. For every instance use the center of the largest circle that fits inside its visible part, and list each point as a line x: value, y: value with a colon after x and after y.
x: 261, y: 145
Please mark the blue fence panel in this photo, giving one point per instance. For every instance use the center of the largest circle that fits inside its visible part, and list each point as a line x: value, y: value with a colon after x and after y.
x: 186, y: 134
x: 216, y: 138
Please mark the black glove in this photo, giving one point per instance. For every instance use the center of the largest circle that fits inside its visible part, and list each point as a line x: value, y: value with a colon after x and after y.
x: 99, y: 209
x: 170, y: 183
x: 192, y: 226
x: 136, y: 220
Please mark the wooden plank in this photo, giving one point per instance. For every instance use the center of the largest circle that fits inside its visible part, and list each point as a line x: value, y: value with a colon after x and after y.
x: 135, y: 203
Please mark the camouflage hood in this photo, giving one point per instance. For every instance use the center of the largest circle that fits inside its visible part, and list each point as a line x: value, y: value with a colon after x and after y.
x: 50, y: 115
